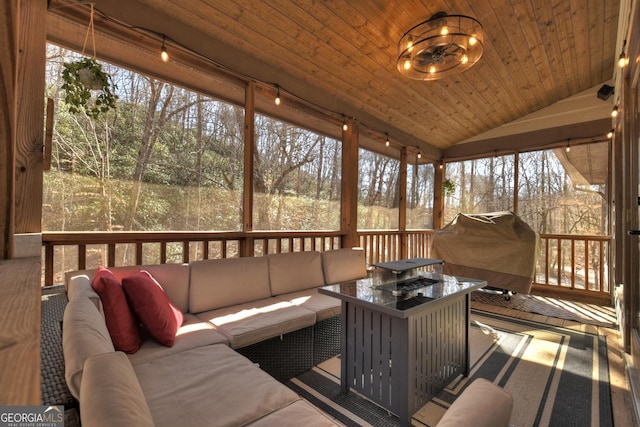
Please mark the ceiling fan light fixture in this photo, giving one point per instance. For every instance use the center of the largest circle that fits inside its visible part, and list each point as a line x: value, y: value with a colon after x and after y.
x: 439, y: 47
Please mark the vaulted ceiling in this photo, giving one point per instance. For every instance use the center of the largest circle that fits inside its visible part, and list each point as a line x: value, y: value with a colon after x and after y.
x: 341, y: 56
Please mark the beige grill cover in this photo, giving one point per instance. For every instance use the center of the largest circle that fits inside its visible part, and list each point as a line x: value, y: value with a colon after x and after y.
x: 497, y: 247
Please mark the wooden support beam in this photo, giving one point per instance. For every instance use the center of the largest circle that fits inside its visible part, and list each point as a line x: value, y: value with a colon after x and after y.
x: 249, y: 156
x: 402, y: 204
x: 438, y: 196
x: 8, y: 68
x: 349, y: 186
x: 29, y: 116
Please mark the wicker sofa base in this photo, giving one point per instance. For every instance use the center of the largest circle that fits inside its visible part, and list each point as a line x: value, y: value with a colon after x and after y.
x: 291, y: 354
x: 285, y: 356
x: 326, y: 339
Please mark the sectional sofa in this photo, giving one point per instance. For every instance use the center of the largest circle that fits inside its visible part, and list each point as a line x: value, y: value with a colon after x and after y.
x: 227, y: 307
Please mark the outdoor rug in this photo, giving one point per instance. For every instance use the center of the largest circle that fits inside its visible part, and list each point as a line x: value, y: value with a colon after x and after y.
x: 591, y: 314
x: 557, y: 377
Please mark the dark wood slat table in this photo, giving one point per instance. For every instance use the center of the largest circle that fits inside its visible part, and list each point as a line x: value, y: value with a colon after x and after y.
x: 404, y: 342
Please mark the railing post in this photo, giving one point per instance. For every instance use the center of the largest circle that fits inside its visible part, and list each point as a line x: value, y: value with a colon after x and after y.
x: 82, y: 257
x: 48, y: 265
x: 111, y: 254
x: 163, y: 252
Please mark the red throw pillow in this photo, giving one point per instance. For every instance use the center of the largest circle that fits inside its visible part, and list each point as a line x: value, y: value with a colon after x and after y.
x: 121, y: 323
x: 153, y: 307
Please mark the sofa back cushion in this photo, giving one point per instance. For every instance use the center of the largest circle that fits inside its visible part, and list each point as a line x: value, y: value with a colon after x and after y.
x: 295, y: 271
x: 343, y: 265
x: 111, y: 395
x: 217, y: 283
x: 78, y: 285
x: 84, y: 334
x: 174, y: 279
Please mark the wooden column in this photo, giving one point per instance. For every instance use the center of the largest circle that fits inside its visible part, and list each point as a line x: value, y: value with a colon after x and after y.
x: 30, y: 116
x: 349, y: 186
x: 516, y: 180
x: 438, y: 196
x: 21, y: 35
x: 8, y: 69
x: 402, y: 204
x: 249, y: 149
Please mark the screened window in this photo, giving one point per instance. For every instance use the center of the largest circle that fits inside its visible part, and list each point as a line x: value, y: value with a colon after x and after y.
x: 420, y: 196
x: 564, y: 192
x: 479, y: 186
x: 296, y: 178
x: 166, y: 159
x: 378, y: 189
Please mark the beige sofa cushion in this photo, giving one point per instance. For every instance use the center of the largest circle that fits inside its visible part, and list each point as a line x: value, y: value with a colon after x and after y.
x: 174, y: 279
x: 299, y: 413
x: 295, y: 271
x: 217, y: 283
x: 482, y: 404
x: 342, y: 265
x: 84, y: 334
x: 250, y: 323
x: 193, y: 333
x: 210, y: 385
x: 110, y: 394
x: 324, y: 306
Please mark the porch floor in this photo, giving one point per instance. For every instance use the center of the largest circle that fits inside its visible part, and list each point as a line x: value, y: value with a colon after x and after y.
x: 593, y: 318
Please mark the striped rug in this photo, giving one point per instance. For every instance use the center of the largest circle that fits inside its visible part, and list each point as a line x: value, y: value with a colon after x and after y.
x: 557, y: 376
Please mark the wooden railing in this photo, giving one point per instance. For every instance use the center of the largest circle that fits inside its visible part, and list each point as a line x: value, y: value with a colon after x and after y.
x: 578, y: 264
x: 80, y: 250
x: 387, y: 245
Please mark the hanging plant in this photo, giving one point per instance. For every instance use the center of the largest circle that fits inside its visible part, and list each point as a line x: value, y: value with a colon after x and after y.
x: 448, y: 187
x: 87, y: 87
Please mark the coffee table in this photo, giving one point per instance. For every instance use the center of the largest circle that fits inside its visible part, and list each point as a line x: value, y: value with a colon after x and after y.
x: 404, y: 342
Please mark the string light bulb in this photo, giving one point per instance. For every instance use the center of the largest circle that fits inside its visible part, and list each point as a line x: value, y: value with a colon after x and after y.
x: 622, y: 60
x: 386, y: 142
x: 163, y: 51
x: 614, y: 112
x: 610, y: 134
x: 277, y: 100
x: 441, y: 166
x: 419, y: 154
x: 568, y: 149
x: 345, y: 127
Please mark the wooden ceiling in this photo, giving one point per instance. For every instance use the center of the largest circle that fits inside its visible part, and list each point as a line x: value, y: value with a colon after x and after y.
x: 341, y: 56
